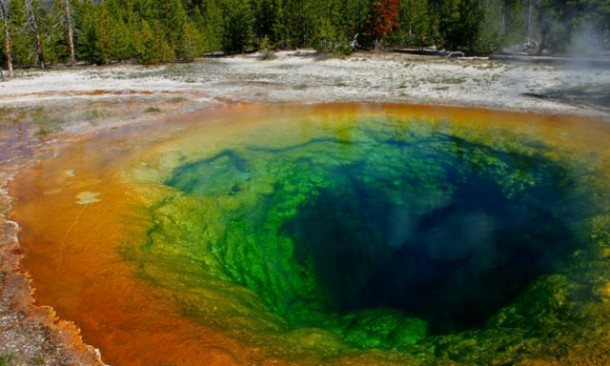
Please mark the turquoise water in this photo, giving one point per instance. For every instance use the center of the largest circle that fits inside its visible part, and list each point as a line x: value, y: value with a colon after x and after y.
x: 424, y: 230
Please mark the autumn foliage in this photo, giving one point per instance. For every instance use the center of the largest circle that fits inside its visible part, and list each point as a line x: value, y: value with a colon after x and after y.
x: 383, y: 19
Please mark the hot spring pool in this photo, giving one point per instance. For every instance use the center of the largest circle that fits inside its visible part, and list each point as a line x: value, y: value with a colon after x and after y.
x: 329, y: 234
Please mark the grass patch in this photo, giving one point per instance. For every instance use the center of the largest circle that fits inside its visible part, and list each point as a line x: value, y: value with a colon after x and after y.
x: 46, y: 121
x: 12, y: 115
x: 6, y: 359
x: 447, y: 80
x: 95, y: 113
x: 36, y: 361
x: 42, y: 132
x: 177, y: 100
x: 19, y: 116
x: 152, y: 110
x: 286, y: 67
x: 454, y: 81
x: 5, y: 112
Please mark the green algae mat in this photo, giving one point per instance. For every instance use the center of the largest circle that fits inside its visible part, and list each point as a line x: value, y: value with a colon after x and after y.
x: 341, y: 235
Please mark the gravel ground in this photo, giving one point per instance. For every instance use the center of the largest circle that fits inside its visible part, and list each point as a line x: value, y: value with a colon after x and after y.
x: 302, y: 76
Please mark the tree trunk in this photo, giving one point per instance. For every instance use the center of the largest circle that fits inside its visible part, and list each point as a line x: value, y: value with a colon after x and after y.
x: 7, y: 38
x: 529, y: 20
x: 70, y: 24
x: 34, y: 27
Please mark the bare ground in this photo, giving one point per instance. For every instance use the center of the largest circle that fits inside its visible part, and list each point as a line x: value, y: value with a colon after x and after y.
x: 41, y: 111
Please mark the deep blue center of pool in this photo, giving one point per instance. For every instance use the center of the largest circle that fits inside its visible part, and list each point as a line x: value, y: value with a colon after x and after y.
x: 452, y: 247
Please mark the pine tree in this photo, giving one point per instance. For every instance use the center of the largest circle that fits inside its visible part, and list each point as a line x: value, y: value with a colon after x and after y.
x: 150, y: 44
x: 173, y: 19
x: 327, y: 32
x: 459, y: 23
x: 151, y: 31
x: 190, y: 42
x: 121, y: 39
x: 281, y: 37
x: 22, y: 50
x: 417, y: 25
x: 88, y: 43
x: 69, y: 30
x: 52, y: 29
x: 7, y: 38
x: 299, y: 21
x: 355, y: 14
x: 146, y: 50
x: 495, y: 25
x: 122, y: 23
x: 32, y: 22
x: 212, y: 25
x: 265, y: 18
x: 238, y: 26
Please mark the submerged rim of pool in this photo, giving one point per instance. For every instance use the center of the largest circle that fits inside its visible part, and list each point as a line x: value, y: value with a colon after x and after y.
x: 519, y: 200
x: 419, y: 228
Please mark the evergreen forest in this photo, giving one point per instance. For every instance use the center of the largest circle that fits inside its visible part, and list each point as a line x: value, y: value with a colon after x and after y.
x: 47, y: 32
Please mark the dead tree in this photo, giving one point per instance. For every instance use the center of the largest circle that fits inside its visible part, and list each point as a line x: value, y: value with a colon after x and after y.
x: 32, y: 23
x: 7, y: 39
x: 70, y: 26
